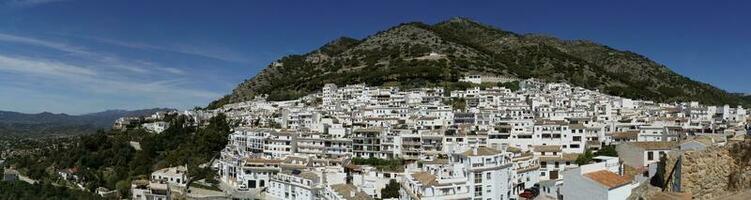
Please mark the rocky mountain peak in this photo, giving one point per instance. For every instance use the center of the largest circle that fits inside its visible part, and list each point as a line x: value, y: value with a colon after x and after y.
x: 398, y: 56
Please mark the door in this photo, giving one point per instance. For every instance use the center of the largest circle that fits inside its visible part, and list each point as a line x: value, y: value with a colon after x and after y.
x: 553, y: 175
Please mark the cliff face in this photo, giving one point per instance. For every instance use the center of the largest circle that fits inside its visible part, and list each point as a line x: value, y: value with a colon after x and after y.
x: 398, y: 56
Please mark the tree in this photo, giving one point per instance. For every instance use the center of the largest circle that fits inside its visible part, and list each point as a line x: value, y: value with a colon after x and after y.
x: 459, y: 104
x: 608, y: 150
x: 391, y: 190
x: 513, y: 85
x: 584, y: 158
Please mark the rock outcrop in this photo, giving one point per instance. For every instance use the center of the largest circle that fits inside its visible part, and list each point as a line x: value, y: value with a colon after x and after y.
x: 715, y: 171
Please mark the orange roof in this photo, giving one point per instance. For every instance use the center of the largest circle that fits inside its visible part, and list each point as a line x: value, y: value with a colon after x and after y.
x: 608, y: 178
x: 547, y: 148
x: 481, y: 151
x: 425, y: 178
x: 626, y: 135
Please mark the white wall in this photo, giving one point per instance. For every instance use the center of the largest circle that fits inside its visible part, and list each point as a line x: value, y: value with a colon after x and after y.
x: 576, y: 186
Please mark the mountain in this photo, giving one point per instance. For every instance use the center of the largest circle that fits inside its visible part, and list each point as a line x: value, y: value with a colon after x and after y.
x: 399, y: 56
x: 62, y: 124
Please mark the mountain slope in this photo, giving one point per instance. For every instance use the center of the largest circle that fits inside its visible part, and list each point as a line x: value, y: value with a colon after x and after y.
x: 399, y: 56
x: 61, y: 124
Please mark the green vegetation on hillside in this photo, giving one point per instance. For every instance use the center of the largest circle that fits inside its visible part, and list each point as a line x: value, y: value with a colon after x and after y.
x: 395, y: 56
x: 26, y: 191
x: 108, y: 160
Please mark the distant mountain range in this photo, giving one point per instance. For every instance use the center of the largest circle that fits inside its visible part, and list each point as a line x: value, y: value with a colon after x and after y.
x: 63, y: 124
x: 399, y: 56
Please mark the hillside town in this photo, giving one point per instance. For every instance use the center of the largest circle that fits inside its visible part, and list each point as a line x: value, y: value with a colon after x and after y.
x: 535, y: 140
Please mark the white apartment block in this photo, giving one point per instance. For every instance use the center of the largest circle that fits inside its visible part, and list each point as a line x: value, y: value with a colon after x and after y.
x: 523, y: 138
x: 477, y: 173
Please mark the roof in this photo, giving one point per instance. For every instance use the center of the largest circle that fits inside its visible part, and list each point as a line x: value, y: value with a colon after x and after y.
x: 140, y: 182
x: 626, y: 135
x: 346, y: 191
x: 563, y: 157
x: 436, y: 161
x: 577, y: 126
x: 262, y: 160
x: 481, y: 151
x: 549, y: 122
x: 608, y: 179
x: 309, y: 175
x: 654, y: 145
x: 513, y: 149
x: 368, y: 130
x: 547, y: 148
x: 425, y: 178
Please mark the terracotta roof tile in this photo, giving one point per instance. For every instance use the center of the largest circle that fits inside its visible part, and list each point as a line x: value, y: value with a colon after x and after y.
x: 626, y: 135
x: 481, y: 151
x: 425, y: 178
x: 547, y: 148
x: 654, y: 145
x: 346, y: 190
x: 608, y: 179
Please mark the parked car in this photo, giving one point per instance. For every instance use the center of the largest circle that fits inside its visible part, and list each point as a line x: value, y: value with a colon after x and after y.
x: 527, y: 195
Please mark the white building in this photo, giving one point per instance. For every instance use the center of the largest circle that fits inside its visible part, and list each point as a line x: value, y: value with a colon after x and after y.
x: 602, y: 180
x: 146, y: 190
x: 296, y: 184
x: 156, y: 127
x: 173, y: 175
x: 477, y: 173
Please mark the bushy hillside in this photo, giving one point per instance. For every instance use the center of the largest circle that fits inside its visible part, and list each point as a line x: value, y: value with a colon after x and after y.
x: 400, y: 56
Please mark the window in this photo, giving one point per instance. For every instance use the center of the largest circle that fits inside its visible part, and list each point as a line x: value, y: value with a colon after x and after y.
x: 577, y: 138
x: 650, y: 155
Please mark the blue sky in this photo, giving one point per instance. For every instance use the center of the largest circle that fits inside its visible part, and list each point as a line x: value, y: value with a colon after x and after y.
x: 80, y: 56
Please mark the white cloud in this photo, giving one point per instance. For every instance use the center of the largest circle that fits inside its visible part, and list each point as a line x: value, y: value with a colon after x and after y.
x: 43, y: 43
x: 173, y: 70
x: 40, y: 67
x: 104, y: 59
x: 211, y: 52
x: 68, y: 78
x: 206, y: 51
x: 92, y: 79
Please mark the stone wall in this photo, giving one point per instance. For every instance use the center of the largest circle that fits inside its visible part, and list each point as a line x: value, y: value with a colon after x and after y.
x: 715, y: 171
